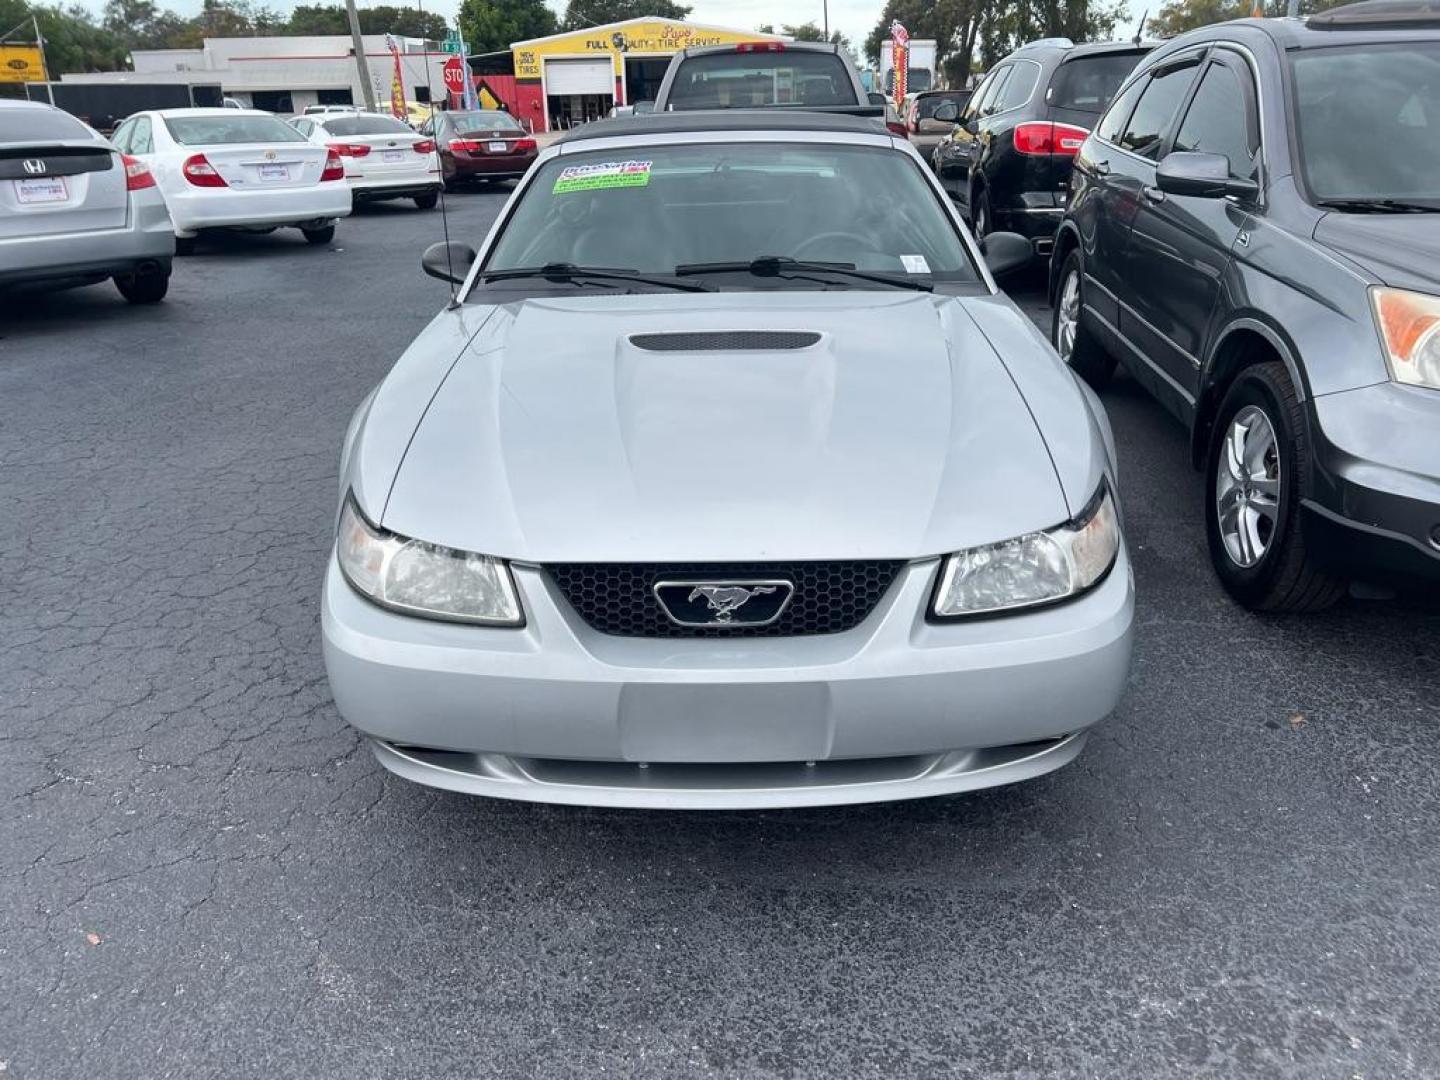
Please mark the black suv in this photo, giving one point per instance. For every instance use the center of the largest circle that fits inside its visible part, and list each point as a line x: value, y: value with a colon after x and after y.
x: 1007, y: 161
x: 1254, y: 232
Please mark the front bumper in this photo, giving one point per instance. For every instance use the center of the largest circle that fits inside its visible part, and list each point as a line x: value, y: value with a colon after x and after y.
x: 148, y: 238
x: 896, y: 708
x: 217, y: 208
x: 1373, y: 511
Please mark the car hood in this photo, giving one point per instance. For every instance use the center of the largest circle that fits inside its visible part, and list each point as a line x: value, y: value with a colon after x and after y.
x: 557, y: 437
x: 1402, y: 250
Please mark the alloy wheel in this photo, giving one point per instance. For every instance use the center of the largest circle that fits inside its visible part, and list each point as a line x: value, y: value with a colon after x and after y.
x: 1068, y: 320
x: 1247, y: 487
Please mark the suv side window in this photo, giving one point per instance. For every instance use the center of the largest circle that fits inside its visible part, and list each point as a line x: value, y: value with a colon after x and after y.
x: 1113, y: 122
x: 1217, y: 121
x: 1019, y: 86
x: 1149, y: 123
x: 997, y: 83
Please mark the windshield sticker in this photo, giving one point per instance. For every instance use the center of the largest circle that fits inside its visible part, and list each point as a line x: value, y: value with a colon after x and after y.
x: 610, y: 174
x: 915, y: 264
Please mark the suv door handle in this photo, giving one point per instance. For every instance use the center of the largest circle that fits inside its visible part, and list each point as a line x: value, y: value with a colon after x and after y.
x: 1154, y: 194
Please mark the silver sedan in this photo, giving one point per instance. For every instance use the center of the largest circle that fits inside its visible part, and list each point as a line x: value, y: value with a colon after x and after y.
x: 75, y: 211
x: 729, y: 479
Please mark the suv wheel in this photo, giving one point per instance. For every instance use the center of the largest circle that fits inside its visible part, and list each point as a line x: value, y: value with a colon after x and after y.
x: 1259, y: 455
x: 981, y: 215
x: 1084, y: 355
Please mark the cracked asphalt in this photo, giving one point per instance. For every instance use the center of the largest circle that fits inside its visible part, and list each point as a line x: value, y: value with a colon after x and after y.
x: 204, y: 874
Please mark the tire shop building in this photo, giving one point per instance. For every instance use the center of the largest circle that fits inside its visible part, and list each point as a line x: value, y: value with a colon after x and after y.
x: 570, y: 78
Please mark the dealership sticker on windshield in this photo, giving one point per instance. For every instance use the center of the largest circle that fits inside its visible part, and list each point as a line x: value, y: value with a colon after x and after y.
x: 915, y: 264
x: 609, y: 174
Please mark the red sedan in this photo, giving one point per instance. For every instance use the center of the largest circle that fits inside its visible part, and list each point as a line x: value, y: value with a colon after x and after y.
x: 484, y: 145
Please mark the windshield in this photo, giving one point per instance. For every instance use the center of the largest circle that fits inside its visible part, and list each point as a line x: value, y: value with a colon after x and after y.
x: 218, y: 130
x: 487, y: 120
x: 366, y: 125
x: 653, y: 209
x: 747, y: 80
x: 1369, y: 120
x: 1087, y: 83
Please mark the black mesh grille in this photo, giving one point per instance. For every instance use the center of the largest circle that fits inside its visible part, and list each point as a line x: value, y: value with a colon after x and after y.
x: 725, y: 340
x: 830, y: 597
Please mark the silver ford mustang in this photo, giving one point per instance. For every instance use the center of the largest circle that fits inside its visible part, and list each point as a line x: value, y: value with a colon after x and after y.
x: 728, y: 480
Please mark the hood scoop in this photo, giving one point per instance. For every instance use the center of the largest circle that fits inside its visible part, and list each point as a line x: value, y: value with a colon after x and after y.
x: 726, y: 341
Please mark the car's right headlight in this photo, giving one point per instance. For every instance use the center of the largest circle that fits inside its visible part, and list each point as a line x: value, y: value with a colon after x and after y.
x: 1037, y: 568
x: 1410, y: 328
x: 418, y: 578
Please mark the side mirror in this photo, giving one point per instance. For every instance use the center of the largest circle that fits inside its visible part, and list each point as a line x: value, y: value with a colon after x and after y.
x: 947, y: 113
x: 876, y: 98
x: 1006, y: 252
x: 448, y: 262
x: 1202, y: 176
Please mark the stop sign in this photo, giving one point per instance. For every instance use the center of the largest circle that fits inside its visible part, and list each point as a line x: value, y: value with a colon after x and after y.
x: 454, y: 74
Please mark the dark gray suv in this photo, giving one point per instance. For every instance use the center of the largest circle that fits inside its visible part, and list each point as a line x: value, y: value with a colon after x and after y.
x: 1254, y: 233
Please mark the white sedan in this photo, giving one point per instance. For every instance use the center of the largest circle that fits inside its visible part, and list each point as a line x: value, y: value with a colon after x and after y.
x: 237, y: 169
x: 383, y: 157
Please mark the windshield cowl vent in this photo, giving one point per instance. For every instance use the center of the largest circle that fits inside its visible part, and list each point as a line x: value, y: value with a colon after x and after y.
x: 726, y: 341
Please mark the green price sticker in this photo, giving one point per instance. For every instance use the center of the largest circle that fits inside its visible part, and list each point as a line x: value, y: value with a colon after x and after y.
x: 609, y: 174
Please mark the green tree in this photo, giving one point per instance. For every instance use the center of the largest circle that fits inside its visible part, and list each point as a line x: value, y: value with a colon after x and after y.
x: 237, y: 18
x: 74, y: 41
x: 954, y: 26
x: 491, y: 25
x: 960, y: 27
x: 1009, y: 26
x: 379, y: 19
x: 808, y: 31
x: 1180, y: 15
x: 142, y: 24
x: 582, y: 13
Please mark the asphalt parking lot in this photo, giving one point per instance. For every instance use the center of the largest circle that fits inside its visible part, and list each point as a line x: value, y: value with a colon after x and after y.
x: 205, y: 874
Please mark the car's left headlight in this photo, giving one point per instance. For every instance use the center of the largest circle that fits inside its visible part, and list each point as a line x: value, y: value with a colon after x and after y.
x: 1410, y: 328
x: 1037, y: 568
x: 418, y: 578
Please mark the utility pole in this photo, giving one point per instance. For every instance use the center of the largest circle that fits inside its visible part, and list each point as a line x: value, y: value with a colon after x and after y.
x: 366, y: 90
x: 825, y: 16
x: 44, y: 67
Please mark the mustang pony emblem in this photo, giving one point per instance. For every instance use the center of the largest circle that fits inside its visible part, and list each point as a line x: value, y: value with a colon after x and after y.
x: 724, y: 600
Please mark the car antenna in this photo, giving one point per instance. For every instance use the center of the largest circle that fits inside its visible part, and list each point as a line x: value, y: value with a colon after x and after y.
x: 1140, y: 30
x: 435, y: 139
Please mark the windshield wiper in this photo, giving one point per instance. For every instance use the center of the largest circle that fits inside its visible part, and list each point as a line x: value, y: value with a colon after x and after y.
x: 773, y: 265
x: 563, y: 271
x: 1381, y: 206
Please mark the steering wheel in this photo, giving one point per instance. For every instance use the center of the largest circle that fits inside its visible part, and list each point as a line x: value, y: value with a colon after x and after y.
x: 862, y: 243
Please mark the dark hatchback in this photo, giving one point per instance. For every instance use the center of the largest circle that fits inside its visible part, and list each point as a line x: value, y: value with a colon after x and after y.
x: 1254, y: 233
x: 1007, y: 161
x: 480, y: 145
